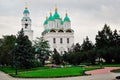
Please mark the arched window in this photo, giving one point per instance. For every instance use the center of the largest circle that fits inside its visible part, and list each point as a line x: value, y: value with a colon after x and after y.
x: 69, y: 31
x: 26, y: 25
x: 52, y: 30
x: 61, y: 40
x: 68, y: 40
x: 54, y: 40
x: 60, y: 31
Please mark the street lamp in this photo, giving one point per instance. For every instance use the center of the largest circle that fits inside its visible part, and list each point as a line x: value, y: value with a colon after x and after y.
x: 101, y: 63
x: 83, y: 70
x: 15, y: 59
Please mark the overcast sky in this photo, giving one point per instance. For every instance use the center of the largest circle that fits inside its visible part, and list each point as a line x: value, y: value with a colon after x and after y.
x: 87, y: 16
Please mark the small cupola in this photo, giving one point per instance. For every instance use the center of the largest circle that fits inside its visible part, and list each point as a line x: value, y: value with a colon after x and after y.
x: 66, y: 19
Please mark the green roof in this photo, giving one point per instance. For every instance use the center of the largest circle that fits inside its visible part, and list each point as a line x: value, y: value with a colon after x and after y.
x: 26, y: 11
x: 50, y: 18
x: 66, y: 18
x: 46, y: 22
x: 56, y: 15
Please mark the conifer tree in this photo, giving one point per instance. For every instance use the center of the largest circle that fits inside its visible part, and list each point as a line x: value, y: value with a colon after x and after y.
x: 23, y: 51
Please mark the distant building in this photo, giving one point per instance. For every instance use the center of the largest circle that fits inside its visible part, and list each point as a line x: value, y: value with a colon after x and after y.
x: 58, y: 32
x: 26, y: 24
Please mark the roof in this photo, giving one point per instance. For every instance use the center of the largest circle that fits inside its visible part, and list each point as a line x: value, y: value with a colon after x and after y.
x: 26, y: 11
x: 66, y: 18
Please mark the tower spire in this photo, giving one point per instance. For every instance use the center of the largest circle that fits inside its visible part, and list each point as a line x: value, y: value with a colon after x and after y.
x: 56, y: 8
x: 26, y: 5
x: 50, y: 12
x: 66, y: 13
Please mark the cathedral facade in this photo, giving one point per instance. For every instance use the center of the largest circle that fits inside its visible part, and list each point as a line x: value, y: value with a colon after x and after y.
x: 58, y: 32
x: 26, y: 24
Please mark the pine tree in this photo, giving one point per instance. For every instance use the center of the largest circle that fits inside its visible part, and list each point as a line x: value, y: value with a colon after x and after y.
x: 104, y: 38
x: 57, y: 59
x: 87, y: 44
x: 23, y: 51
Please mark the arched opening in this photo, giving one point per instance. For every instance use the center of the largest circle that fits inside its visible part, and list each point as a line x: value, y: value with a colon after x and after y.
x: 69, y: 31
x: 52, y: 30
x: 60, y: 30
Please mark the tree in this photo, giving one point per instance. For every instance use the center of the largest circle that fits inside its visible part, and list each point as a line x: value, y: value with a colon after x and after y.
x: 42, y: 49
x: 87, y: 45
x: 23, y: 51
x: 6, y: 50
x: 57, y: 58
x: 77, y: 48
x: 104, y: 38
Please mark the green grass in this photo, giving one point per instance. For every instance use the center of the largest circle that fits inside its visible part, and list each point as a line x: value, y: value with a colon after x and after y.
x: 108, y: 65
x: 45, y: 72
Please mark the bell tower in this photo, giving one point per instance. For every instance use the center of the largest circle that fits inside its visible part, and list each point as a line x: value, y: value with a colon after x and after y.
x: 26, y: 24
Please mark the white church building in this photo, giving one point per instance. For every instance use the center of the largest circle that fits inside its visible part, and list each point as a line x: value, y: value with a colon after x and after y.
x: 26, y: 24
x: 58, y: 32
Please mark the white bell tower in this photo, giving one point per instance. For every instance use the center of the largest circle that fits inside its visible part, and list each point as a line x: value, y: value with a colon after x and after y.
x: 26, y: 24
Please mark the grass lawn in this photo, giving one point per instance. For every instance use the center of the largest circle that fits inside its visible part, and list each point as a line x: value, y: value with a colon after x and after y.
x: 45, y: 72
x: 109, y: 65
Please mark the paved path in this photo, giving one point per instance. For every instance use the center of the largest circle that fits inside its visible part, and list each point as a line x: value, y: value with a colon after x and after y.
x: 105, y: 70
x: 107, y: 76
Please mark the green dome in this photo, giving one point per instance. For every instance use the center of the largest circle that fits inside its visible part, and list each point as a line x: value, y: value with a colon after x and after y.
x: 26, y: 11
x: 46, y: 21
x: 50, y: 18
x: 56, y: 16
x: 66, y: 18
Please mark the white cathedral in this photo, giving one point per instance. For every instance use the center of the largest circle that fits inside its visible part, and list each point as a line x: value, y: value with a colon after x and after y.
x: 58, y: 32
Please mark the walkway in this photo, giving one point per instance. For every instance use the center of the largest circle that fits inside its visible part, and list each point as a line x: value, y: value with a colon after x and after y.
x: 105, y: 70
x: 106, y: 76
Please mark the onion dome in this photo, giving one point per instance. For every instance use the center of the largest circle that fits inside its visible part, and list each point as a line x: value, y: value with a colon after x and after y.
x: 66, y: 18
x: 26, y: 11
x: 46, y: 21
x: 50, y: 17
x: 56, y: 15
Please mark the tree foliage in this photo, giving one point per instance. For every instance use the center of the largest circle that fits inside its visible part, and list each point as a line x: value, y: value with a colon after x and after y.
x: 6, y: 49
x: 23, y: 51
x: 42, y: 49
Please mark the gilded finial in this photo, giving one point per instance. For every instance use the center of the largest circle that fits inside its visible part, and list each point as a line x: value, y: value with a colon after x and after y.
x: 46, y: 17
x: 66, y: 13
x: 55, y: 8
x: 50, y: 12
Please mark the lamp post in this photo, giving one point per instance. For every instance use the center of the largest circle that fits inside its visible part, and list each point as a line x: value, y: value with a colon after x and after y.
x: 15, y: 60
x: 101, y: 63
x: 83, y: 70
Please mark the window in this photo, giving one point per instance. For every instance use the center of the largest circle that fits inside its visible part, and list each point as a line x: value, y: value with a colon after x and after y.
x: 61, y: 41
x: 57, y: 24
x: 26, y: 25
x: 68, y: 40
x: 54, y: 40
